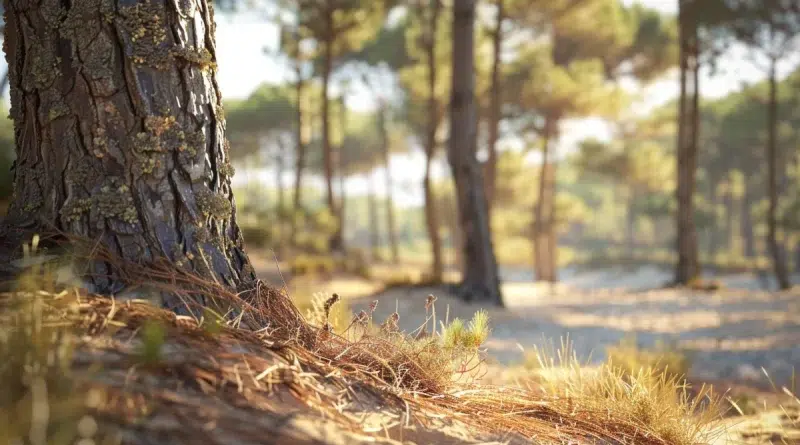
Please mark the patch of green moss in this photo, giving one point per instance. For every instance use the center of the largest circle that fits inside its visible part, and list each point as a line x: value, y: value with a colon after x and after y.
x: 161, y: 133
x: 200, y: 58
x: 212, y: 204
x: 145, y: 25
x: 43, y: 66
x: 80, y: 173
x: 75, y: 208
x: 202, y: 234
x: 226, y: 170
x: 114, y: 200
x: 52, y: 13
x: 58, y: 109
x: 100, y: 142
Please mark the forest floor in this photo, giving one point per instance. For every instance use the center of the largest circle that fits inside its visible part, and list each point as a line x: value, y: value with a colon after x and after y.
x: 743, y: 341
x: 120, y: 370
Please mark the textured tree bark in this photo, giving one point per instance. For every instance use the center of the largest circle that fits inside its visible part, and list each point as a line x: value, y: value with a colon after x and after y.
x: 431, y: 214
x: 480, y: 278
x: 335, y: 243
x: 775, y: 249
x: 494, y: 107
x: 391, y: 224
x: 544, y: 245
x: 120, y: 135
x: 688, y: 267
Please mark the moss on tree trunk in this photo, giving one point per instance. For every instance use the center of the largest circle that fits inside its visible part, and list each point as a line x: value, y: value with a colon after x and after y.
x: 120, y: 135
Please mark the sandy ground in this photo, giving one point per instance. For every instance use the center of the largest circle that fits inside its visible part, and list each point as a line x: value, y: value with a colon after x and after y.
x: 729, y: 334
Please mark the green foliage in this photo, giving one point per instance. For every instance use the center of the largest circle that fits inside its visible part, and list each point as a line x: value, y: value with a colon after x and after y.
x: 458, y: 336
x: 153, y: 336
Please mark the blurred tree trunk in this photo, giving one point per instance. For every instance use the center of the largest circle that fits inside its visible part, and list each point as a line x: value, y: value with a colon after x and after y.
x: 300, y: 154
x: 431, y: 214
x: 280, y: 214
x: 631, y: 223
x: 335, y: 242
x: 391, y: 224
x: 121, y: 143
x: 374, y: 229
x: 490, y: 173
x: 341, y: 159
x: 775, y: 250
x: 543, y: 232
x: 480, y: 279
x: 714, y: 233
x: 728, y: 203
x: 747, y: 234
x: 688, y: 266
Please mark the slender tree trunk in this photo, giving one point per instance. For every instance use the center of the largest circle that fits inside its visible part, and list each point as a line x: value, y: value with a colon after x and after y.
x: 374, y: 234
x: 688, y: 267
x: 728, y: 203
x: 392, y: 226
x: 300, y: 155
x: 281, y: 204
x: 552, y: 235
x: 335, y: 242
x: 494, y: 108
x: 713, y: 232
x: 341, y: 159
x: 631, y: 223
x: 543, y: 244
x: 775, y: 250
x: 431, y: 214
x: 747, y: 232
x: 480, y: 278
x: 120, y: 135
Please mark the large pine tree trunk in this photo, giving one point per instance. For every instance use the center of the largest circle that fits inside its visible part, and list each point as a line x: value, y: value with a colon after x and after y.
x: 431, y: 213
x: 480, y: 279
x: 775, y: 250
x: 494, y: 108
x: 392, y: 225
x: 120, y: 135
x: 688, y: 267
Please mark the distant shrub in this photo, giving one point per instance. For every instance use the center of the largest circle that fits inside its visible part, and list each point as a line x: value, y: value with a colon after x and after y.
x: 305, y: 264
x: 631, y: 359
x: 356, y: 263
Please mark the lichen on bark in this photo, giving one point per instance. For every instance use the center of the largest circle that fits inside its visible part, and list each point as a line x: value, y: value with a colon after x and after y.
x: 119, y: 132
